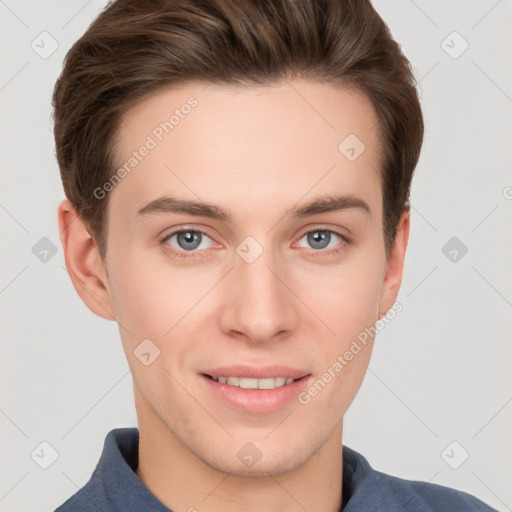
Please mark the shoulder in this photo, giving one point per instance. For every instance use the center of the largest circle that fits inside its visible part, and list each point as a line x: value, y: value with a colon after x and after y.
x: 113, y: 478
x: 83, y: 500
x: 430, y: 497
x: 89, y: 498
x: 368, y: 488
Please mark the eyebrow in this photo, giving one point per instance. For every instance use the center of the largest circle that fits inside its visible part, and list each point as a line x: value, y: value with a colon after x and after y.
x: 324, y: 204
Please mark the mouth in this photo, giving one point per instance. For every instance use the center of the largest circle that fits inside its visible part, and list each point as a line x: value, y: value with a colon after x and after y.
x: 255, y: 390
x: 252, y: 383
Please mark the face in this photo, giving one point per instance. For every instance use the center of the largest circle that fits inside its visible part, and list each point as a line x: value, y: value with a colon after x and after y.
x: 275, y: 287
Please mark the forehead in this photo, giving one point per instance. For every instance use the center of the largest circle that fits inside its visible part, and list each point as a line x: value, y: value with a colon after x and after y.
x: 259, y: 146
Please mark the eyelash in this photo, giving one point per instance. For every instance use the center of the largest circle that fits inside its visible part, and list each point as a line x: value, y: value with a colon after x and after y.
x: 345, y: 240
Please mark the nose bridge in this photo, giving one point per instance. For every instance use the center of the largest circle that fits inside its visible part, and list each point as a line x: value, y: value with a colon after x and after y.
x: 260, y: 305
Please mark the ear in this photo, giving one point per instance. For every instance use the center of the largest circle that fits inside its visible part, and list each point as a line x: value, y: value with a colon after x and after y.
x: 395, y: 265
x: 83, y: 262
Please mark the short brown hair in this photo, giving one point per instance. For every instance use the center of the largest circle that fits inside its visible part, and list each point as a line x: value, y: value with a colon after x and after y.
x: 135, y: 48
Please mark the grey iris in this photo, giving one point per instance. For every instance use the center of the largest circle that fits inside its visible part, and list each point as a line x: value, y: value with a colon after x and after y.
x: 317, y: 239
x: 189, y: 237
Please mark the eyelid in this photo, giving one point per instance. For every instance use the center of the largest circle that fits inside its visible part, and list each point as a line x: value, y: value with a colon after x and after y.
x: 306, y: 230
x: 326, y: 227
x: 184, y: 229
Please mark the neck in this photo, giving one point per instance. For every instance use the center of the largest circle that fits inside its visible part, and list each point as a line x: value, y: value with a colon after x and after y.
x: 183, y: 481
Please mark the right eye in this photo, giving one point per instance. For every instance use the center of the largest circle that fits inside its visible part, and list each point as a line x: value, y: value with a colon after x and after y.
x: 186, y: 241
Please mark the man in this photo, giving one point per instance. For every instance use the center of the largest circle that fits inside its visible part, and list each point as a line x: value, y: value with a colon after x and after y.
x: 240, y: 172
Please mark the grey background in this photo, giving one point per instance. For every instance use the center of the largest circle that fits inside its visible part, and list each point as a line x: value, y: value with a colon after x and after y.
x: 440, y: 371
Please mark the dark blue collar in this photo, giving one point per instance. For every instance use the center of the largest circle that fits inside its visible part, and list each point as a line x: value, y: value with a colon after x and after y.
x: 114, y: 486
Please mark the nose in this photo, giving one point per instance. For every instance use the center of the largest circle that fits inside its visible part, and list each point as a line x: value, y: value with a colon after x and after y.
x: 259, y: 305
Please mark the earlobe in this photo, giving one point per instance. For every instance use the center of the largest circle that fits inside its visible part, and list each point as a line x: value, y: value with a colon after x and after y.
x: 395, y: 265
x: 83, y: 262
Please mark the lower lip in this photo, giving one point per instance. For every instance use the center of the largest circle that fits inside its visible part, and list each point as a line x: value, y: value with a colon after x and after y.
x: 257, y: 400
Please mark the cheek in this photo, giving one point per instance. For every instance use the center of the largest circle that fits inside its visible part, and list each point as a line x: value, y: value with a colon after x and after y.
x: 346, y: 298
x: 348, y: 305
x: 158, y: 300
x: 146, y: 300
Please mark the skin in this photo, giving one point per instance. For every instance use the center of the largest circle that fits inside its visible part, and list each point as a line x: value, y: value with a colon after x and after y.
x: 257, y: 151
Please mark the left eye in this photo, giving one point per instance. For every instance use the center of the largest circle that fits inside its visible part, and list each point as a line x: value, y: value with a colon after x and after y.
x: 320, y: 239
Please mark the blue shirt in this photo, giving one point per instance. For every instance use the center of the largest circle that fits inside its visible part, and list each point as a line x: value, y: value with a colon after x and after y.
x: 114, y: 486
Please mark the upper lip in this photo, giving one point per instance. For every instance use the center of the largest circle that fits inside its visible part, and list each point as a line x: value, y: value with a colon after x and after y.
x: 254, y: 372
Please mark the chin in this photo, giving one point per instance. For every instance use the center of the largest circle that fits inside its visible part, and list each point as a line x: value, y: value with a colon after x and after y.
x: 262, y: 460
x: 278, y: 465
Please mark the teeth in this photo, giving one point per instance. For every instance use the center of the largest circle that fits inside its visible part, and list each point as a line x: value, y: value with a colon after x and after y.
x: 233, y: 381
x: 248, y: 383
